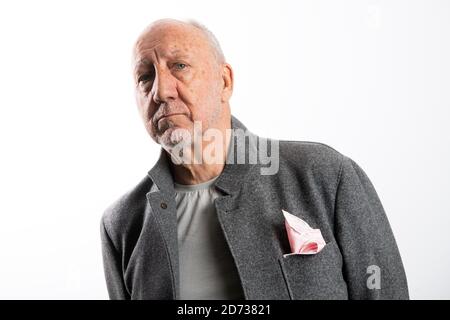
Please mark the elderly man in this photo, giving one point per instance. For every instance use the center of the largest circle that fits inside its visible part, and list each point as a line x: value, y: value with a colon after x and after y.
x: 201, y: 226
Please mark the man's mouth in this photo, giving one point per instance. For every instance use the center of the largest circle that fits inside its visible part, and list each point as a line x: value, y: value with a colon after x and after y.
x: 169, y: 115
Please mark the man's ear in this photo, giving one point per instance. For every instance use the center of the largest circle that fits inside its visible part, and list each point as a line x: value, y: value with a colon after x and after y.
x: 227, y: 77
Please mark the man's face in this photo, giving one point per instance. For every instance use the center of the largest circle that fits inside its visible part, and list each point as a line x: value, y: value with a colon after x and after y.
x: 178, y: 80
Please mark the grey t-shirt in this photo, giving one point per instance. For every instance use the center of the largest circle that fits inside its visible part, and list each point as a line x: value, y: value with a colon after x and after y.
x: 207, y: 270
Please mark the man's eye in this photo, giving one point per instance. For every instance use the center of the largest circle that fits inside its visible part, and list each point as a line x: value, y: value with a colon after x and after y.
x: 144, y: 78
x: 180, y: 66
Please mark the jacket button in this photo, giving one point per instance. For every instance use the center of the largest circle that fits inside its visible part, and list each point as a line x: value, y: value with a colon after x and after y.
x: 163, y: 205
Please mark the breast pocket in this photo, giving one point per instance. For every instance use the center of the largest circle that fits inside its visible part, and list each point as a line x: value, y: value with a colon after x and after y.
x: 317, y: 276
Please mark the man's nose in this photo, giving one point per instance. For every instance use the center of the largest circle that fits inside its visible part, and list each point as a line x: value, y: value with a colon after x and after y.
x: 164, y: 87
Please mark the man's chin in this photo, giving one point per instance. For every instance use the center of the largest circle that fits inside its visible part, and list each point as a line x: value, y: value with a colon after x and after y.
x: 175, y: 137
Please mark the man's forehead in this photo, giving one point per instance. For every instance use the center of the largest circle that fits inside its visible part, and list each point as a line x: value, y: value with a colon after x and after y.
x: 169, y: 40
x: 164, y: 48
x: 146, y: 56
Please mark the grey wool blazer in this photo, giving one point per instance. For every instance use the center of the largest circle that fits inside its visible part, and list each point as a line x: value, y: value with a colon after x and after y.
x: 314, y: 182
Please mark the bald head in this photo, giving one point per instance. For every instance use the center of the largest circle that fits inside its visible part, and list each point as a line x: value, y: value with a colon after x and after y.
x: 189, y: 26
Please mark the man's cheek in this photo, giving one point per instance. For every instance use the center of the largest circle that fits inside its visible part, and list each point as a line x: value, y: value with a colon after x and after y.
x: 146, y: 110
x: 140, y: 101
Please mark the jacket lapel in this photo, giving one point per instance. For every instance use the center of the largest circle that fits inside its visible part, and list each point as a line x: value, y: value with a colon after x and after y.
x: 249, y: 234
x: 162, y: 201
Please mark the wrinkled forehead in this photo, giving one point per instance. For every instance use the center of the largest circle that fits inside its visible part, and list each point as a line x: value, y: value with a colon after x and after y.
x: 168, y: 41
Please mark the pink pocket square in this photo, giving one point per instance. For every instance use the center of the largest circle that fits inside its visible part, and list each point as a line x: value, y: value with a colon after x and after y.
x: 302, y: 238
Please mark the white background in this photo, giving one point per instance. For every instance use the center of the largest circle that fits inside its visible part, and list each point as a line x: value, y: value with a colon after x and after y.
x: 369, y: 78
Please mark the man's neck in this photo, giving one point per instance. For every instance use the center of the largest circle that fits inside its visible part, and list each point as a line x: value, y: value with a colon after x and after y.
x: 189, y: 174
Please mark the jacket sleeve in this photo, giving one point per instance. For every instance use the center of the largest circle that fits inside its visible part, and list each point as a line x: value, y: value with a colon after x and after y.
x: 112, y: 267
x: 373, y: 268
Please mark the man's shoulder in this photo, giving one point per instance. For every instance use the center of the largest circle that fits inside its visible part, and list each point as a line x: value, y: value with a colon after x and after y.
x: 311, y: 162
x: 309, y: 153
x: 127, y: 208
